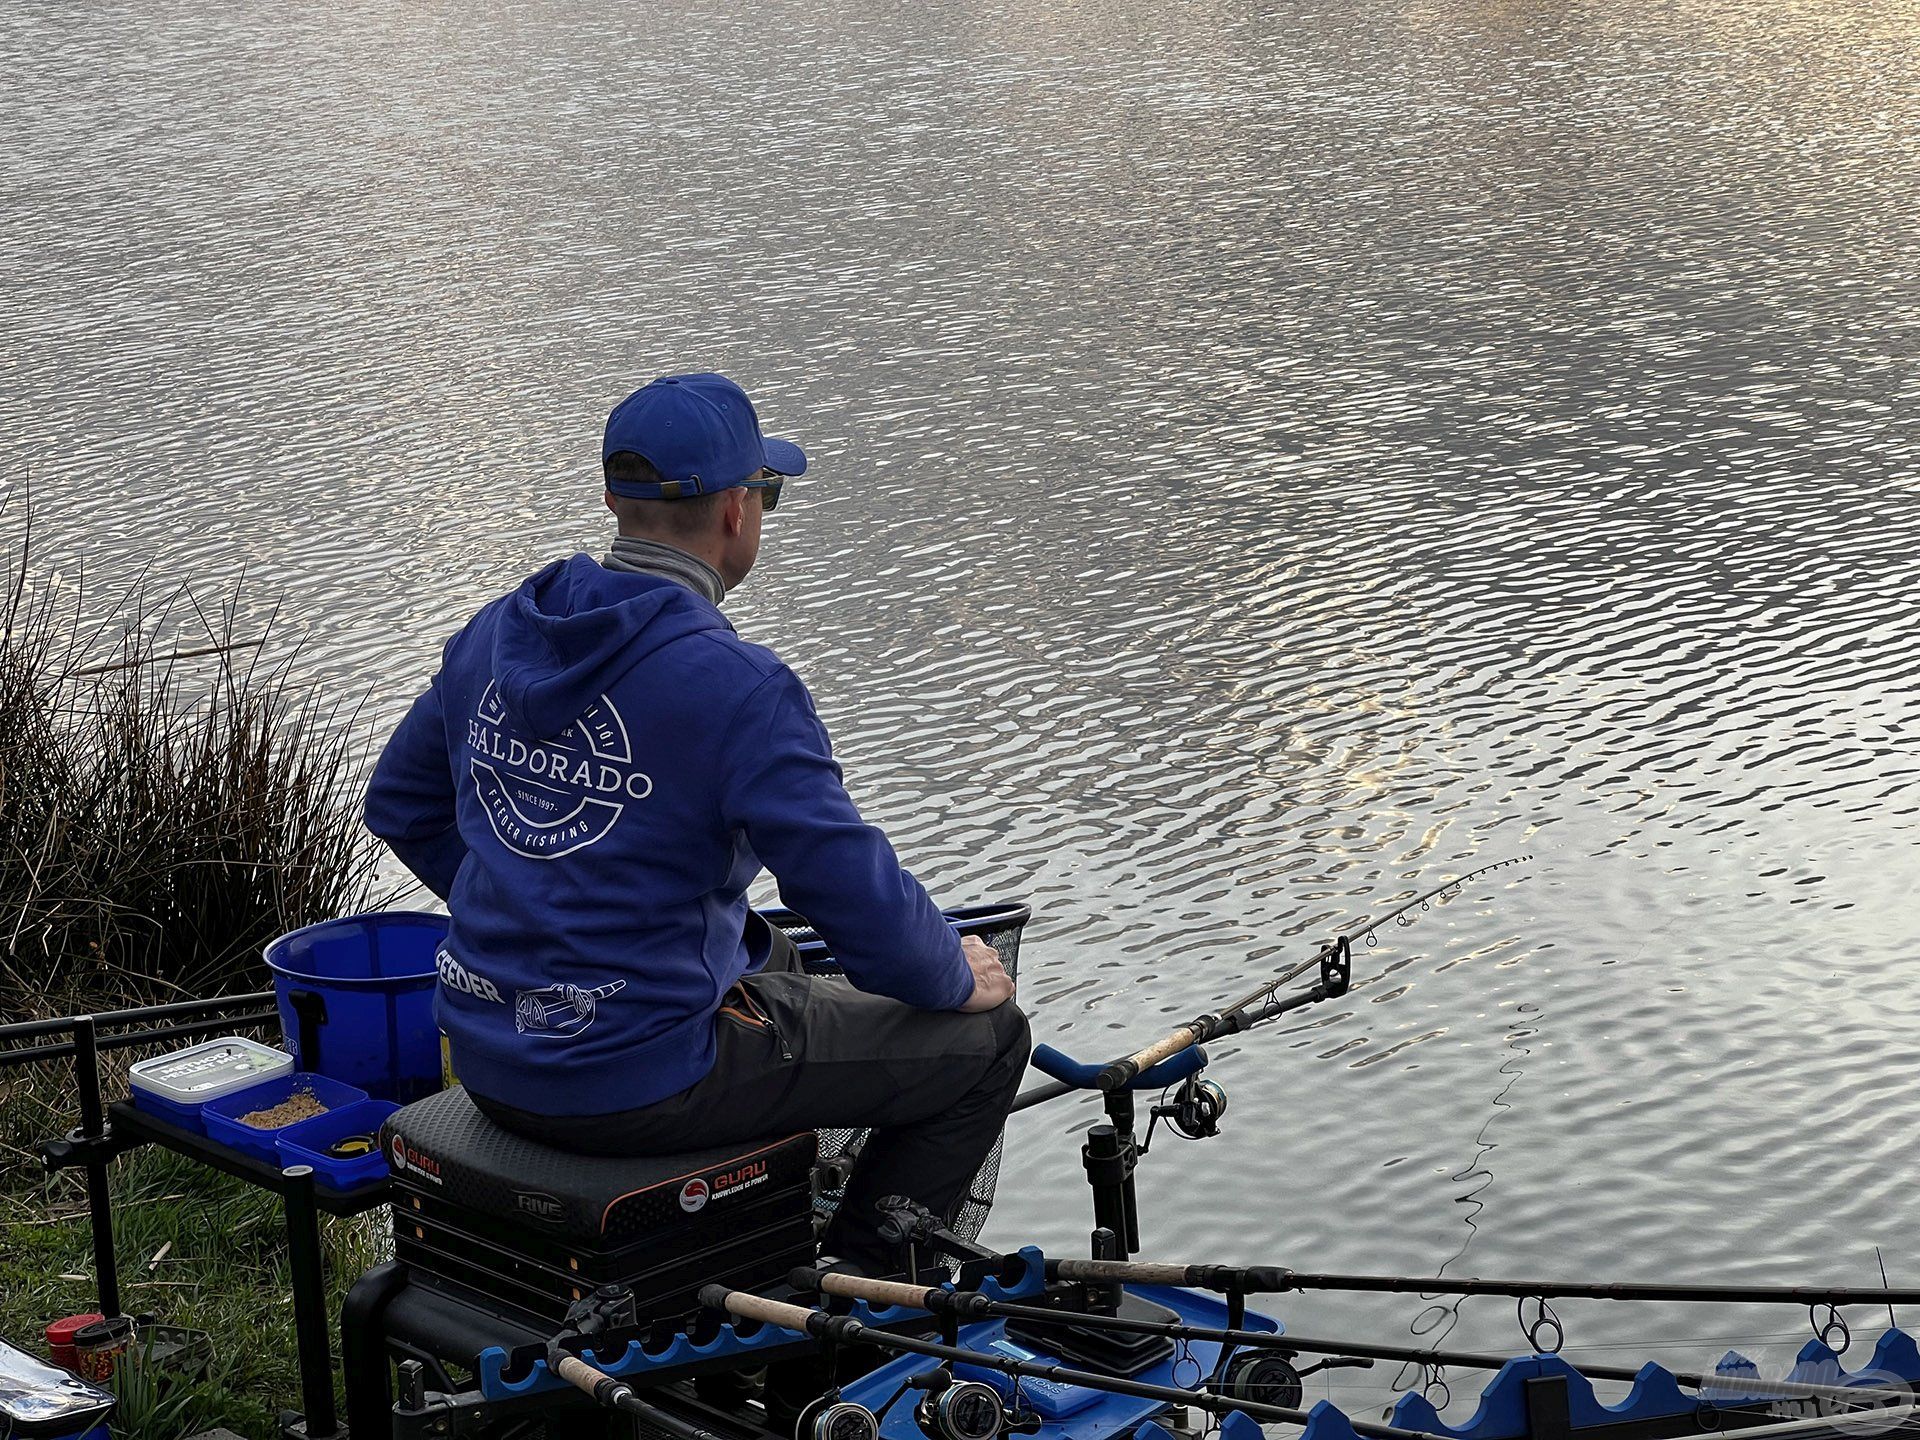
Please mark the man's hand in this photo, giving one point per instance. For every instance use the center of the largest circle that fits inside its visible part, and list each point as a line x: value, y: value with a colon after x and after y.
x: 992, y: 986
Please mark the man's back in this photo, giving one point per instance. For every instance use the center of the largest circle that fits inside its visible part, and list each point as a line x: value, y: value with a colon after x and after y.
x: 616, y: 754
x: 592, y: 781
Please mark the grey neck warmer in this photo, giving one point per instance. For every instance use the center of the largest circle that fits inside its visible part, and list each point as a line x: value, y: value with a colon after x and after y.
x: 635, y: 556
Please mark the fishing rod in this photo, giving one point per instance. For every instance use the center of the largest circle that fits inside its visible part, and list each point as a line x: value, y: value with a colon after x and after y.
x: 974, y: 1305
x: 615, y: 1394
x: 1276, y: 1280
x: 589, y: 1319
x: 1335, y: 962
x: 847, y: 1330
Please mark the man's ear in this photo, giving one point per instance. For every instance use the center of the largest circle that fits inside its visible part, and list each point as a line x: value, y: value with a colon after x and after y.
x: 607, y: 495
x: 733, y: 510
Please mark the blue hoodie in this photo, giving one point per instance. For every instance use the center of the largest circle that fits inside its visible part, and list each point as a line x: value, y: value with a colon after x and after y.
x: 591, y: 782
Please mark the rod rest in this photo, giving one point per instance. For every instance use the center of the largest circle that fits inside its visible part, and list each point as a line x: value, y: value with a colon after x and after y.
x: 1056, y: 1065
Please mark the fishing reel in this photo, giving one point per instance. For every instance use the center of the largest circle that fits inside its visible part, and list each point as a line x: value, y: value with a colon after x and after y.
x: 831, y: 1418
x: 1270, y: 1377
x: 949, y: 1408
x: 1198, y: 1107
x: 959, y: 1409
x: 1194, y: 1111
x: 1264, y: 1377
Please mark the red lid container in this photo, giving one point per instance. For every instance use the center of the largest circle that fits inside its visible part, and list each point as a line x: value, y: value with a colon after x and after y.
x: 60, y: 1337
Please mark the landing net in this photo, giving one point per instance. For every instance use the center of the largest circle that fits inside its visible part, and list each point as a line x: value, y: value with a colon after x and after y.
x: 999, y: 926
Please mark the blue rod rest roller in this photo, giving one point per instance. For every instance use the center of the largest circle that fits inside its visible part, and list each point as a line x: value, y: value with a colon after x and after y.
x: 1068, y: 1071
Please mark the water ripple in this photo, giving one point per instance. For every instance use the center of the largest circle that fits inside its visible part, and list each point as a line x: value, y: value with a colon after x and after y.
x: 1266, y: 459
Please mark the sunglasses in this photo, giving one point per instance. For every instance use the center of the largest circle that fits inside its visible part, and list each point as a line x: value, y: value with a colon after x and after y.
x: 771, y: 484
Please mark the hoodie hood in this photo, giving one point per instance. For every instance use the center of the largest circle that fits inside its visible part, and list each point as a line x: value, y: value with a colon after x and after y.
x: 568, y: 634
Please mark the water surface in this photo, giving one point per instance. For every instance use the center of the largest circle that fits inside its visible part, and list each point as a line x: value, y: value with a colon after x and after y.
x: 1268, y: 458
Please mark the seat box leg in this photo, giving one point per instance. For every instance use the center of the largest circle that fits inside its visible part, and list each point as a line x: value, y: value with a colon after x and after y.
x: 363, y: 1351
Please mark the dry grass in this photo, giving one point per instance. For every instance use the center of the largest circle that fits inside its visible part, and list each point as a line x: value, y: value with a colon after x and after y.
x: 169, y: 801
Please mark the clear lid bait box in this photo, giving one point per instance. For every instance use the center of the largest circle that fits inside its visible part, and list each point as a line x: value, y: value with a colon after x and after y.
x: 174, y: 1087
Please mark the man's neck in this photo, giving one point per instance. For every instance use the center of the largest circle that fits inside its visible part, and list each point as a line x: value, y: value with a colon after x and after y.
x: 644, y: 555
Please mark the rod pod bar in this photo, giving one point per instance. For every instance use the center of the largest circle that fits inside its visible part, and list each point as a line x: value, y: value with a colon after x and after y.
x: 1277, y: 1280
x: 846, y: 1329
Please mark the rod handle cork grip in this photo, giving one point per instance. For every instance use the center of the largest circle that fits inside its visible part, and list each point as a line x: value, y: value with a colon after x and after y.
x: 1121, y: 1071
x: 1139, y: 1272
x: 582, y: 1376
x: 874, y: 1292
x: 796, y: 1318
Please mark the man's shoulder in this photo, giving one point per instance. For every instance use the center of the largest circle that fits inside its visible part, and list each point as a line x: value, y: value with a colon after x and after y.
x: 726, y: 656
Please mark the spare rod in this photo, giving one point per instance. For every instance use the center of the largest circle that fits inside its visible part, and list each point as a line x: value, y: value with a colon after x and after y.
x: 1277, y: 1280
x: 972, y: 1305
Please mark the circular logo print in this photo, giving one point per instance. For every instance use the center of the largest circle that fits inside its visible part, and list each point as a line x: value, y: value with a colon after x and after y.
x: 693, y: 1195
x: 547, y: 798
x: 399, y: 1149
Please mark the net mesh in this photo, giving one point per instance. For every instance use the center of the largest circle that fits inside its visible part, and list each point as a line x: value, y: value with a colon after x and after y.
x: 1002, y: 932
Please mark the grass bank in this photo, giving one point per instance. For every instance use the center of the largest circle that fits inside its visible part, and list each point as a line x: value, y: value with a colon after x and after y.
x: 170, y: 800
x: 196, y: 1248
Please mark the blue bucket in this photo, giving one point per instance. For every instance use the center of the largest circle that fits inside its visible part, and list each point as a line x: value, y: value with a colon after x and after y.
x: 356, y: 1001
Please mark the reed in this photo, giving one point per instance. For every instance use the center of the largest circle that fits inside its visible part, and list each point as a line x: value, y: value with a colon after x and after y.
x: 171, y: 798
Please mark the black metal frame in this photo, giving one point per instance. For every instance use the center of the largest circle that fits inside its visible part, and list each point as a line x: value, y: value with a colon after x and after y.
x: 107, y: 1131
x: 1110, y: 1155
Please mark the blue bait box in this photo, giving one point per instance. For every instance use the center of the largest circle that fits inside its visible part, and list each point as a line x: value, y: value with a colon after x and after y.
x: 308, y: 1142
x: 222, y: 1116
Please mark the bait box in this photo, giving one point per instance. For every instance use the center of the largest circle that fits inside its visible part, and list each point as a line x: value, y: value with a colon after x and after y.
x: 174, y: 1087
x: 223, y: 1115
x: 305, y: 1142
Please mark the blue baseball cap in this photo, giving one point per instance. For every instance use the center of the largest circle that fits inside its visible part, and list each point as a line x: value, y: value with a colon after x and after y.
x: 699, y: 432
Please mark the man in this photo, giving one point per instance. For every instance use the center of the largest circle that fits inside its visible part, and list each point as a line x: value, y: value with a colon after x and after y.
x: 592, y: 781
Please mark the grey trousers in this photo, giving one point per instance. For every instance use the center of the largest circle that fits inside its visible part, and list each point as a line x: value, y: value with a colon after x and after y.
x: 808, y: 1052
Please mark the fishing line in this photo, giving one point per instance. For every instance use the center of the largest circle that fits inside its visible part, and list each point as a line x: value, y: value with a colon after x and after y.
x: 1445, y: 1316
